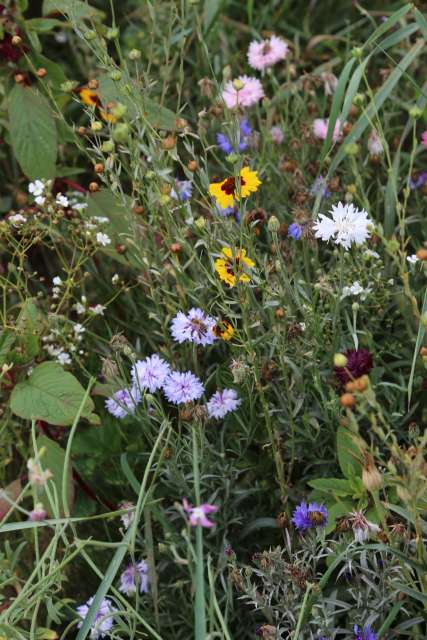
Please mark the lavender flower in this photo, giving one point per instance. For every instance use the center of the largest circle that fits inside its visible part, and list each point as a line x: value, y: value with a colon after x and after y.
x: 182, y: 387
x: 418, y: 181
x: 364, y: 634
x: 182, y: 191
x: 103, y: 619
x: 123, y: 402
x: 309, y: 516
x: 295, y: 231
x: 132, y: 575
x: 150, y: 373
x: 194, y: 326
x: 222, y: 402
x: 198, y: 515
x: 225, y: 143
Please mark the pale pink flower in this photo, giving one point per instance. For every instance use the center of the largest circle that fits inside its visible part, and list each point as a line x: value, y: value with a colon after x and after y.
x: 198, y: 515
x: 277, y: 135
x: 38, y: 513
x: 375, y: 145
x: 330, y: 82
x: 320, y: 129
x: 267, y: 52
x: 424, y: 138
x: 243, y: 92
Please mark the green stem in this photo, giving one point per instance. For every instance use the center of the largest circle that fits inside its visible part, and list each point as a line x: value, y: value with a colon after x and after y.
x: 199, y: 610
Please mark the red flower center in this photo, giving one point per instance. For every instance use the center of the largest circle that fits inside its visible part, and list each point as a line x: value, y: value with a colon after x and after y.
x: 229, y: 185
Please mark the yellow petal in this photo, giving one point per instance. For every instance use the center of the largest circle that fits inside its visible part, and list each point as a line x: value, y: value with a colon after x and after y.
x: 227, y: 252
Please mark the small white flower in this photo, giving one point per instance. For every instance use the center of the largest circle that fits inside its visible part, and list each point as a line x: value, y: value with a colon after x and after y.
x: 372, y: 254
x: 57, y: 281
x: 347, y: 226
x: 78, y: 328
x: 36, y: 188
x: 62, y: 200
x: 79, y: 308
x: 356, y: 289
x: 115, y: 279
x: 79, y: 206
x: 63, y: 358
x: 103, y: 239
x: 100, y: 219
x: 40, y: 200
x: 98, y: 309
x: 17, y: 219
x: 412, y: 259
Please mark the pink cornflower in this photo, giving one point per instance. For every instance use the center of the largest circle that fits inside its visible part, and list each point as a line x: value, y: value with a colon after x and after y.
x: 320, y: 128
x: 277, y: 135
x: 424, y: 138
x: 267, y: 52
x: 198, y: 515
x: 243, y: 92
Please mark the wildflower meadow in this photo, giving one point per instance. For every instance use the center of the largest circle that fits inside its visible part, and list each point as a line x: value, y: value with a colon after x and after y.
x: 213, y: 376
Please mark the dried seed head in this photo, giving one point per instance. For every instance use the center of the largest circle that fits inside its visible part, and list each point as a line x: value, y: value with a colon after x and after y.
x: 93, y: 186
x: 372, y: 479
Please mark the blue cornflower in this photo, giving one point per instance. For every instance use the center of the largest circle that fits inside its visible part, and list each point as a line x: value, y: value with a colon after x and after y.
x: 182, y: 190
x: 364, y: 634
x: 308, y: 516
x: 224, y: 141
x: 295, y: 231
x: 320, y: 187
x: 181, y: 388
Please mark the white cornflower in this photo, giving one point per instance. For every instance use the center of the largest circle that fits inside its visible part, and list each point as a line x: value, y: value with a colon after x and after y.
x: 103, y: 239
x: 347, y: 226
x: 36, y: 188
x: 412, y: 259
x: 62, y: 200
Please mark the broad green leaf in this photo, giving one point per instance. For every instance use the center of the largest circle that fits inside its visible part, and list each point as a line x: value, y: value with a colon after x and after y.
x: 32, y: 132
x: 43, y: 25
x: 53, y: 458
x: 77, y: 9
x: 51, y: 394
x: 7, y: 339
x: 55, y: 72
x: 28, y: 329
x: 336, y: 486
x: 349, y: 451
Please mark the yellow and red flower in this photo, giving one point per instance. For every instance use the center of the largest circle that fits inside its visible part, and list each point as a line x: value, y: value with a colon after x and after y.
x: 229, y: 191
x: 231, y: 267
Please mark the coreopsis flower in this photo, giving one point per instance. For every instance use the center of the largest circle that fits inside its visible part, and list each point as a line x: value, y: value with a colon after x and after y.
x: 227, y: 192
x: 277, y: 135
x: 243, y: 92
x: 180, y: 388
x: 103, y: 620
x: 309, y: 516
x: 182, y: 190
x: 266, y: 53
x: 89, y: 97
x: 133, y: 575
x: 375, y: 146
x: 195, y: 326
x: 295, y: 230
x: 123, y: 402
x: 359, y: 363
x: 424, y: 138
x: 222, y: 402
x: 320, y: 128
x: 330, y: 82
x: 231, y: 267
x: 225, y: 143
x: 199, y: 515
x: 366, y: 633
x: 348, y: 225
x: 36, y: 475
x: 150, y: 374
x: 38, y: 513
x: 362, y: 528
x: 223, y: 330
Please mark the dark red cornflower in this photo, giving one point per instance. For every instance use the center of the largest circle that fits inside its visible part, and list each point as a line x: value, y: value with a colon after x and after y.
x: 359, y: 363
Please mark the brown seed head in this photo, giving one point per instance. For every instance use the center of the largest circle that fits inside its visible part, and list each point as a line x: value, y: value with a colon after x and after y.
x: 192, y: 165
x: 169, y: 142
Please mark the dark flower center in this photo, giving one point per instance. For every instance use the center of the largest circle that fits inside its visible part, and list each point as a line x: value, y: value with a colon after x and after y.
x: 266, y: 48
x: 229, y: 185
x: 316, y: 517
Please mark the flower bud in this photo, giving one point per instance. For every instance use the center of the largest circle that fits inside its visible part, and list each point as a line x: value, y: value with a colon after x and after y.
x: 68, y: 86
x: 273, y: 224
x: 169, y: 142
x: 422, y: 254
x: 192, y: 165
x: 16, y: 41
x: 112, y: 33
x: 107, y: 146
x: 109, y: 369
x: 371, y: 477
x: 115, y: 75
x: 119, y: 110
x: 90, y: 35
x: 359, y: 99
x: 121, y: 132
x: 415, y: 113
x: 351, y: 149
x: 238, y: 84
x: 41, y: 73
x: 340, y: 360
x: 96, y: 125
x: 357, y: 52
x: 134, y: 54
x: 347, y: 400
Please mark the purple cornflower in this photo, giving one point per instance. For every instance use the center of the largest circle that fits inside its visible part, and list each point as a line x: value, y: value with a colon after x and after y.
x: 295, y: 230
x: 320, y: 188
x: 359, y: 363
x: 308, y: 516
x: 182, y: 191
x: 150, y: 373
x: 182, y: 387
x: 222, y: 402
x: 224, y: 141
x: 123, y: 402
x: 194, y: 326
x: 132, y: 575
x: 103, y: 619
x: 417, y: 181
x: 364, y: 634
x: 198, y: 515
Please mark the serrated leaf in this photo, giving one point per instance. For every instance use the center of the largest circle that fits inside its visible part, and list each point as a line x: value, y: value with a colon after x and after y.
x: 32, y: 132
x: 53, y: 458
x: 50, y: 394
